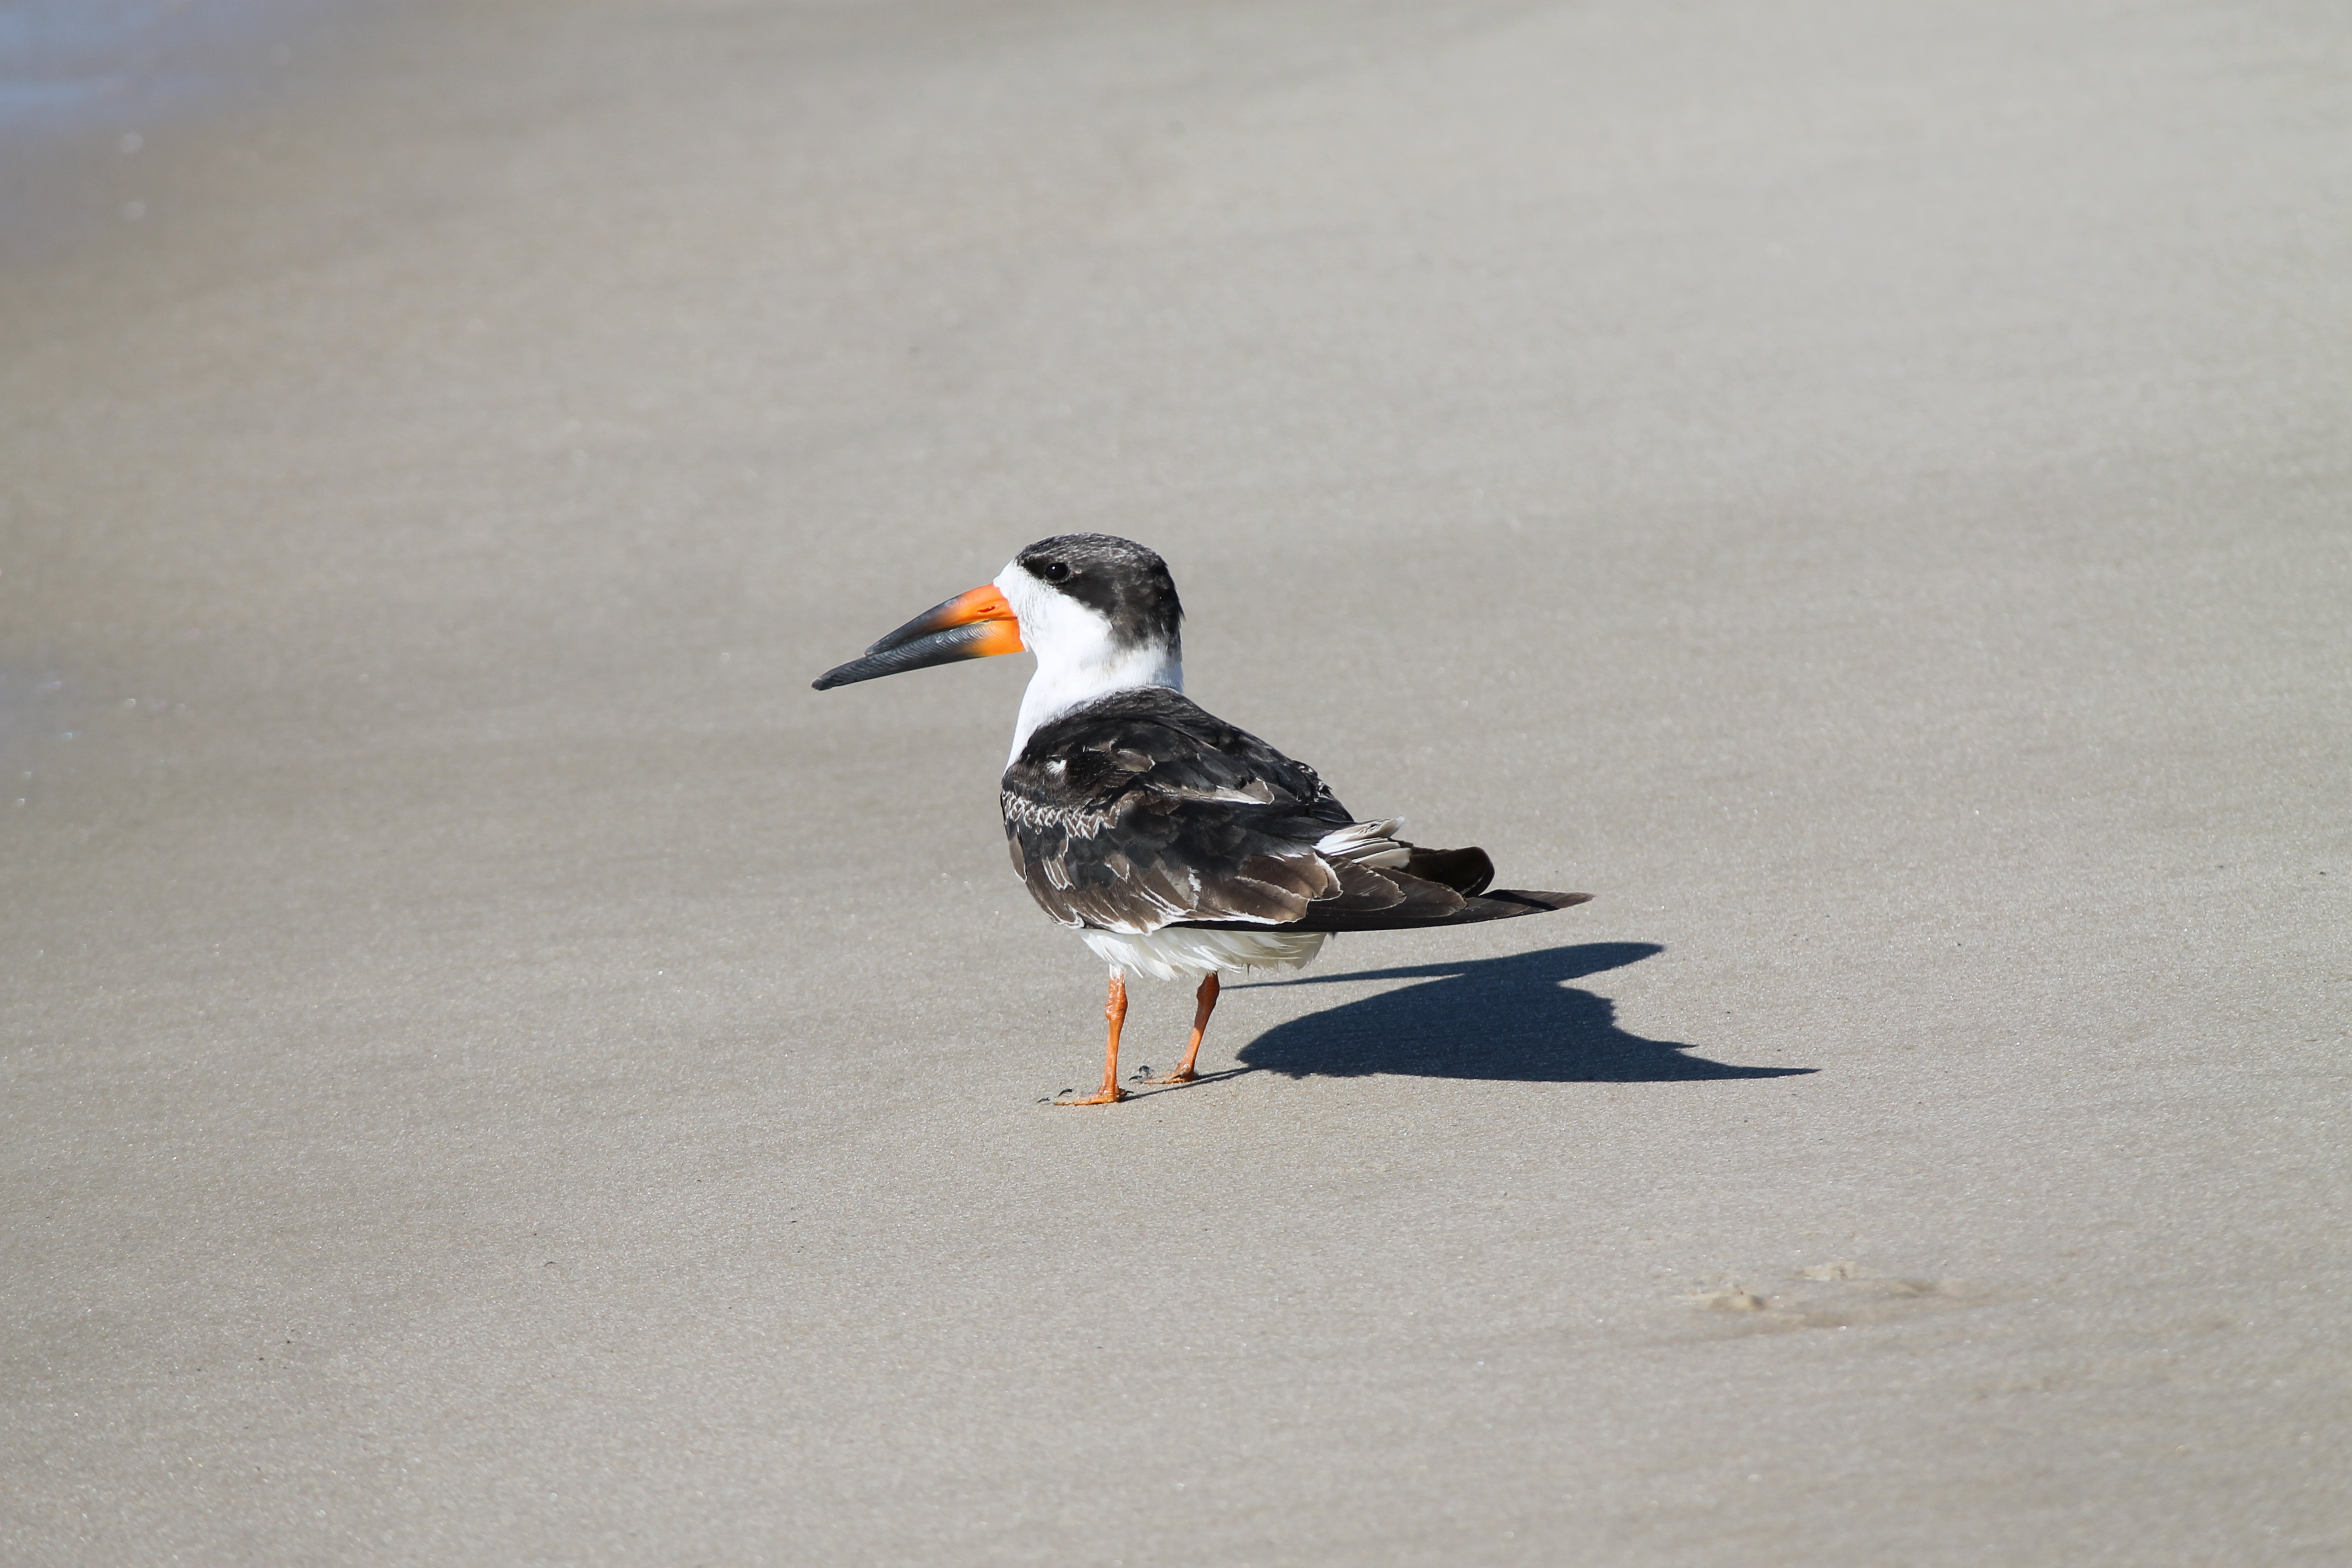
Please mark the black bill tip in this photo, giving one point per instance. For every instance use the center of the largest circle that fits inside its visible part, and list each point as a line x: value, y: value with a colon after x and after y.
x: 973, y: 640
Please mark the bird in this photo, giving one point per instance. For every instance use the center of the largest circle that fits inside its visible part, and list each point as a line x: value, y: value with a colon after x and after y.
x: 1173, y: 843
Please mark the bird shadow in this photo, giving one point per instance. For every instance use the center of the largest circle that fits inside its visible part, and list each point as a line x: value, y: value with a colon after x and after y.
x: 1514, y: 1019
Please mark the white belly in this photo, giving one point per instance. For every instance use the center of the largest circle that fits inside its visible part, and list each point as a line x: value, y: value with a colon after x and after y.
x: 1175, y: 951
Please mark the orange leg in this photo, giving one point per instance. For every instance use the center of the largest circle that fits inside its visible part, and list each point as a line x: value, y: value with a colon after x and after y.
x: 1207, y: 998
x: 1115, y: 1012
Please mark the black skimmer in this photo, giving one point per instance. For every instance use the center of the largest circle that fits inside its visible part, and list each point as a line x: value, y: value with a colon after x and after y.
x: 1171, y: 841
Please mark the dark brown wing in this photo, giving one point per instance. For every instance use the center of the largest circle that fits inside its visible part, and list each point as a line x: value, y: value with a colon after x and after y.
x: 1503, y: 904
x: 1143, y: 810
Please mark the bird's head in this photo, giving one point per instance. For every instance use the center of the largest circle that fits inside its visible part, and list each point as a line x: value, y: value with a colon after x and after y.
x: 1099, y: 611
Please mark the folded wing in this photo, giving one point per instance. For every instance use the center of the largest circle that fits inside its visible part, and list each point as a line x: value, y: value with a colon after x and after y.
x: 1143, y: 811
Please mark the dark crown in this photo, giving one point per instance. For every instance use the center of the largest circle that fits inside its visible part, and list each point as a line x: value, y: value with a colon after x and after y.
x: 1125, y: 582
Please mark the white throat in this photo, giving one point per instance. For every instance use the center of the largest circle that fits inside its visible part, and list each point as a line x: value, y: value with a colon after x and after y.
x: 1077, y: 661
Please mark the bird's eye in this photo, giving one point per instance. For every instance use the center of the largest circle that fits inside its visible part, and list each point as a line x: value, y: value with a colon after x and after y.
x: 1056, y: 571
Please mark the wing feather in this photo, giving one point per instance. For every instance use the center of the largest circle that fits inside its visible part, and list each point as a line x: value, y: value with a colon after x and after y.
x: 1141, y: 810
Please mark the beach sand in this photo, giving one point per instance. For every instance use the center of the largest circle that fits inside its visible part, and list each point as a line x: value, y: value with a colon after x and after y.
x: 498, y: 1071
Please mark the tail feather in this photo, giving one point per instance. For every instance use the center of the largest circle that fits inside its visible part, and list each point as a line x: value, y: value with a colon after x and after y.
x: 1467, y: 871
x: 1503, y: 904
x: 1380, y: 882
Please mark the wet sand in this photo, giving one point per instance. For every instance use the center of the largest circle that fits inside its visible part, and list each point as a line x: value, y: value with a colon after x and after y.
x: 500, y: 1071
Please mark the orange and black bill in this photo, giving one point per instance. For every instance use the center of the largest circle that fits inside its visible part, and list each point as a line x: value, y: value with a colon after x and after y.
x: 970, y: 625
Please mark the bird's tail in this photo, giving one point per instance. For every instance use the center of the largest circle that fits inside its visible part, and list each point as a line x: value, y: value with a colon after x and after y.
x: 1387, y: 884
x: 1376, y: 845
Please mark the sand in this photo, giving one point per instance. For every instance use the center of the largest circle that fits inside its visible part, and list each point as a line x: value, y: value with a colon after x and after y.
x: 498, y: 1071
